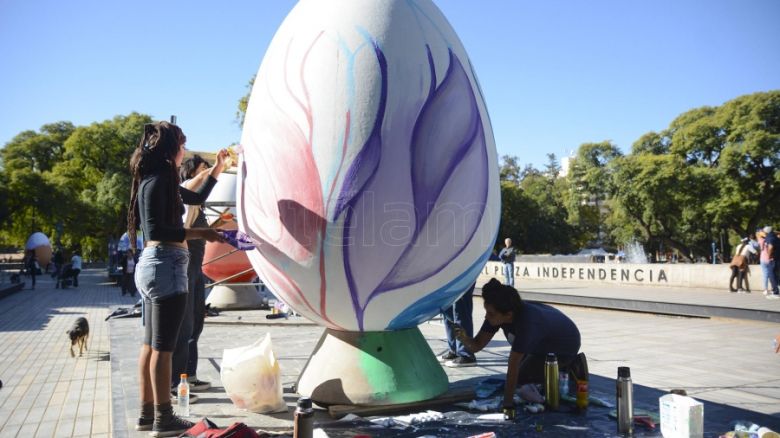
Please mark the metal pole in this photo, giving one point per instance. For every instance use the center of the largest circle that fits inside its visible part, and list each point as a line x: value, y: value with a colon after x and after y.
x: 220, y: 257
x: 217, y: 283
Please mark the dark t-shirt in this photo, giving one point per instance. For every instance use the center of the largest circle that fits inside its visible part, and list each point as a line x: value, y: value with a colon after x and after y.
x: 507, y: 255
x: 538, y: 330
x: 771, y: 239
x: 197, y: 247
x: 154, y: 199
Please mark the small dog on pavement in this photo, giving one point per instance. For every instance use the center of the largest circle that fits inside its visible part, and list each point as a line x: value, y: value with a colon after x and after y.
x: 79, y: 334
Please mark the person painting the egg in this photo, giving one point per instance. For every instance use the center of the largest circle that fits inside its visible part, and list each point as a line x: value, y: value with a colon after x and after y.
x: 533, y: 330
x: 156, y: 207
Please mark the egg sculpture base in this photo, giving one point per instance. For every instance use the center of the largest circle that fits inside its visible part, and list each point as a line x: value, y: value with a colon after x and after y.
x: 372, y: 368
x: 234, y: 297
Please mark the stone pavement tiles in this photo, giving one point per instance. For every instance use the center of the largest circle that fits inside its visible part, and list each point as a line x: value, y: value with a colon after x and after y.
x: 728, y: 364
x: 47, y: 393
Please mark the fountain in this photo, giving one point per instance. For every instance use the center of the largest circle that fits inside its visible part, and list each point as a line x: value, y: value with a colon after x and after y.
x: 635, y: 253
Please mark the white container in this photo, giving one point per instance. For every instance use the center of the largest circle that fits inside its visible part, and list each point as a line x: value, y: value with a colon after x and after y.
x: 681, y: 416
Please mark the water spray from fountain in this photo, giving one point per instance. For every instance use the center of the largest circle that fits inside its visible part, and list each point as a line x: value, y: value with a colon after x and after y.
x: 635, y: 252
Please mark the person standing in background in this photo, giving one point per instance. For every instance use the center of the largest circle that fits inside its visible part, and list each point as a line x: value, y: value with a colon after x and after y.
x: 75, y: 262
x: 770, y: 249
x: 507, y: 257
x: 740, y: 268
x: 459, y: 315
x: 128, y: 273
x: 58, y: 260
x: 194, y: 172
x: 32, y: 267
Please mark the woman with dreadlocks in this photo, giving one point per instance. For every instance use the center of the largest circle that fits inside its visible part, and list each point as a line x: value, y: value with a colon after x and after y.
x: 156, y: 206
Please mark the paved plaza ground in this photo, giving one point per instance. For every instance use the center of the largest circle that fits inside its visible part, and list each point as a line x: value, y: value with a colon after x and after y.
x: 727, y: 363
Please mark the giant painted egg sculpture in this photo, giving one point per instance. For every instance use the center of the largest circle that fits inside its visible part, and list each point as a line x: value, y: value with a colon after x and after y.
x: 368, y: 177
x: 39, y: 244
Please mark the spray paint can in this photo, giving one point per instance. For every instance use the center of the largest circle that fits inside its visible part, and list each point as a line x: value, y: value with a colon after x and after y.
x: 303, y: 421
x: 625, y: 401
x: 551, y: 390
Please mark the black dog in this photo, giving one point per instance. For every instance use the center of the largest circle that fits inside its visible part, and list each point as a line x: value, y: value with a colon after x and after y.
x: 78, y: 335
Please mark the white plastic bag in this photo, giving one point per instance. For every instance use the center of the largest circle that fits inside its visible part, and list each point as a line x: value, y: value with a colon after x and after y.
x: 251, y: 377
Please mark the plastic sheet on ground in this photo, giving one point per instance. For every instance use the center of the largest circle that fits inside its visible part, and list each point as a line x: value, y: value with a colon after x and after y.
x: 566, y: 422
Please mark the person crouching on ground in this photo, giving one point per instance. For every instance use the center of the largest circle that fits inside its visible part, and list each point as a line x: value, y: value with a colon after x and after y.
x: 533, y: 329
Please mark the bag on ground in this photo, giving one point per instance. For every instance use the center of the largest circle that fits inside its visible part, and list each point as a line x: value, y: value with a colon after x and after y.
x: 251, y: 377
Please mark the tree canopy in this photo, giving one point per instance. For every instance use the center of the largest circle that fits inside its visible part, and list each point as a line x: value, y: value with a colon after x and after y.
x: 72, y: 178
x: 712, y: 176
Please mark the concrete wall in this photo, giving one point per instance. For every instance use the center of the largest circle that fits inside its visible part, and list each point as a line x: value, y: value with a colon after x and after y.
x: 672, y: 275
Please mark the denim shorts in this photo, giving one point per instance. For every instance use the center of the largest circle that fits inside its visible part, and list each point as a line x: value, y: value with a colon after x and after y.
x: 162, y: 272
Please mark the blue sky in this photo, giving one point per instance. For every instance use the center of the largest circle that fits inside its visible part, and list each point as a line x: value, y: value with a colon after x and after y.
x: 555, y: 74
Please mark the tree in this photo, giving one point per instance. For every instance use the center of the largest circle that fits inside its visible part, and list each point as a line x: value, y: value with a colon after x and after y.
x: 714, y: 170
x: 32, y: 196
x: 37, y: 151
x: 509, y: 169
x: 553, y: 168
x: 5, y: 212
x: 96, y: 177
x: 532, y: 211
x: 547, y: 228
x: 659, y: 194
x: 243, y: 103
x: 74, y: 176
x: 590, y: 185
x: 748, y: 170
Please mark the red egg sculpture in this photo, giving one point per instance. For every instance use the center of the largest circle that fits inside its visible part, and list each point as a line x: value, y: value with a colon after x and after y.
x: 228, y: 266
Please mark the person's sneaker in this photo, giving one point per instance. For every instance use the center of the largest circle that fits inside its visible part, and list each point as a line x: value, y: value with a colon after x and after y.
x: 172, y: 426
x: 766, y: 291
x: 773, y: 297
x: 144, y: 423
x: 461, y: 361
x: 447, y: 356
x: 198, y: 385
x: 175, y: 397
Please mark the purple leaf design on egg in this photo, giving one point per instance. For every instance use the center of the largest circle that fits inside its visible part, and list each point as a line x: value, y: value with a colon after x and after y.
x: 449, y: 183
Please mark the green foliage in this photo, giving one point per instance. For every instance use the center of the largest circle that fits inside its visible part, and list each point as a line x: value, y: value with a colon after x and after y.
x: 713, y: 175
x: 590, y: 184
x: 509, y: 170
x: 74, y: 176
x: 713, y: 171
x: 532, y: 213
x: 243, y: 103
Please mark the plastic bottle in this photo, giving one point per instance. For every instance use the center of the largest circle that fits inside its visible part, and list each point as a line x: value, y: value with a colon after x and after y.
x: 303, y: 422
x: 581, y: 376
x: 625, y: 401
x: 551, y: 381
x: 563, y: 383
x: 582, y: 395
x: 183, y: 396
